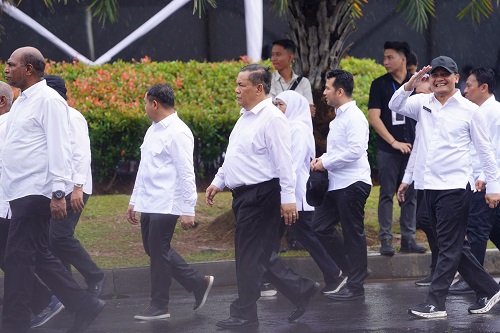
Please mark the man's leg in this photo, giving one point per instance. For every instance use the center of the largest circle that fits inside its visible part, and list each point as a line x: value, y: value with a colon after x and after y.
x: 27, y: 252
x: 350, y: 204
x: 66, y: 247
x: 479, y: 225
x: 388, y: 171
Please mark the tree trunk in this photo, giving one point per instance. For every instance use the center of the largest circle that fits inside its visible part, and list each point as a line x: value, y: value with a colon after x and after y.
x: 320, y: 29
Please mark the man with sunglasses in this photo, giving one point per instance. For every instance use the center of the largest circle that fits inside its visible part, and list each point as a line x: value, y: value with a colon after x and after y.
x: 448, y: 125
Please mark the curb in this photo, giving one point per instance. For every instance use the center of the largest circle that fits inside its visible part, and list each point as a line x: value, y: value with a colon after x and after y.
x: 123, y: 281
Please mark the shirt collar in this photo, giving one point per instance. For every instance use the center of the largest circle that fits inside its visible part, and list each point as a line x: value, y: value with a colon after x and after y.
x: 278, y: 77
x: 343, y: 108
x: 167, y: 120
x: 27, y: 93
x: 257, y: 108
x: 456, y: 97
x: 490, y: 100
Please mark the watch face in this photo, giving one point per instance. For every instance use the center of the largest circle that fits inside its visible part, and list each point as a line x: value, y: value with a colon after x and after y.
x: 58, y: 194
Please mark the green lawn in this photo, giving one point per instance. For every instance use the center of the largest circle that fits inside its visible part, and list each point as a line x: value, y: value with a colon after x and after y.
x: 113, y: 242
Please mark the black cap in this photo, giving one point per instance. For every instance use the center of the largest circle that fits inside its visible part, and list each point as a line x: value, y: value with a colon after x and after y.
x: 56, y: 83
x: 444, y: 62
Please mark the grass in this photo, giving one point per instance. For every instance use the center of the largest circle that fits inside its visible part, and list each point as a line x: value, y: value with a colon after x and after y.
x: 113, y: 242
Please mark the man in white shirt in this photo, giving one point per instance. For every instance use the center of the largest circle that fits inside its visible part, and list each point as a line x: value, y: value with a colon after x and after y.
x: 349, y: 178
x: 479, y: 89
x: 164, y: 190
x: 258, y: 170
x: 448, y: 123
x: 36, y: 166
x: 284, y: 78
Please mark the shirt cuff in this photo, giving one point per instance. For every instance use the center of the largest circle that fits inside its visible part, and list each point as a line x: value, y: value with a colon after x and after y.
x: 219, y: 183
x: 58, y: 186
x: 407, y: 178
x: 493, y: 187
x: 287, y: 198
x: 188, y: 211
x: 79, y: 178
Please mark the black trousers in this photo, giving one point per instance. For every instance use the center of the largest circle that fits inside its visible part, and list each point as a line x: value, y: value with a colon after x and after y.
x: 424, y: 224
x: 28, y: 253
x: 257, y: 212
x: 157, y: 231
x: 448, y: 211
x: 347, y: 206
x: 304, y: 233
x: 479, y: 225
x: 41, y: 294
x: 66, y: 247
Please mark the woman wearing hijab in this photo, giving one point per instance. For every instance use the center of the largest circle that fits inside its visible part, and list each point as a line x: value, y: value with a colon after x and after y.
x: 296, y: 109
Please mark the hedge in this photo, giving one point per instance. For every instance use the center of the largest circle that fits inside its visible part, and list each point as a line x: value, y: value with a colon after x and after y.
x: 111, y: 99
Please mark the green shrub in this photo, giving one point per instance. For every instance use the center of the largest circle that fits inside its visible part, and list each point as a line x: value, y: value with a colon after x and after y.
x: 111, y: 99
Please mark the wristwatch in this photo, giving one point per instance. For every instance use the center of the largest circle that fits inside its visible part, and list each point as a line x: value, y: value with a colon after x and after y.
x: 79, y: 185
x: 58, y: 194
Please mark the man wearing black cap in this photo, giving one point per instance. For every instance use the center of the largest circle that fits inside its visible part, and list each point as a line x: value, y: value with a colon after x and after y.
x: 448, y: 125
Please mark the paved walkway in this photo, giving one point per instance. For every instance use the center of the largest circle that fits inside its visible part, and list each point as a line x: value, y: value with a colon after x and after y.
x: 384, y: 310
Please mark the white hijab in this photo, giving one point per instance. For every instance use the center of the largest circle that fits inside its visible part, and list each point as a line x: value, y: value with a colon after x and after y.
x: 298, y: 114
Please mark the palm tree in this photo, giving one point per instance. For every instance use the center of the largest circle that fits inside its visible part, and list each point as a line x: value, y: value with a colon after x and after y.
x: 320, y: 28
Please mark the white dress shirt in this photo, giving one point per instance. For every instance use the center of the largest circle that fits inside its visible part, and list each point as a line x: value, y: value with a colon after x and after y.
x: 80, y: 148
x: 303, y: 148
x: 446, y: 132
x: 165, y: 182
x: 258, y: 151
x: 491, y: 111
x: 346, y: 158
x: 4, y: 205
x: 408, y: 177
x: 278, y: 85
x: 36, y: 159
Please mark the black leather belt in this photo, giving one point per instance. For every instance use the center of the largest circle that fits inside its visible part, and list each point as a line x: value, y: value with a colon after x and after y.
x: 244, y: 188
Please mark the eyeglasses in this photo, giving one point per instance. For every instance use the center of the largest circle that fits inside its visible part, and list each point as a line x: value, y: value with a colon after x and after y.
x: 440, y: 74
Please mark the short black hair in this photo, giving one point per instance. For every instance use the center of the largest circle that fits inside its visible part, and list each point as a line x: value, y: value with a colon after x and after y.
x: 400, y: 47
x: 412, y: 59
x: 163, y: 94
x: 259, y: 74
x: 287, y: 44
x: 485, y: 75
x: 34, y: 60
x: 343, y: 79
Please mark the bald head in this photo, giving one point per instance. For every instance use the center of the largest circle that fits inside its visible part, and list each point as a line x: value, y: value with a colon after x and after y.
x: 6, y: 97
x: 24, y: 68
x: 32, y: 56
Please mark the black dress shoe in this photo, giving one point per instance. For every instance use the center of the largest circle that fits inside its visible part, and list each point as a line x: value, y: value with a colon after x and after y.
x: 235, y: 322
x: 344, y: 294
x: 301, y: 307
x: 86, y: 316
x: 97, y: 288
x: 460, y: 288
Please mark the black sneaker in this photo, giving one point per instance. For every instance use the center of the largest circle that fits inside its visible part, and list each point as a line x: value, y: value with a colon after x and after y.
x: 426, y: 281
x: 386, y: 248
x: 201, y: 294
x: 484, y: 304
x: 267, y: 290
x: 427, y: 311
x: 410, y: 246
x: 153, y: 313
x: 460, y: 288
x: 335, y: 286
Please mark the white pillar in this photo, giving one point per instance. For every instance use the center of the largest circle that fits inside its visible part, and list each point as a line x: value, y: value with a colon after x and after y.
x: 254, y: 23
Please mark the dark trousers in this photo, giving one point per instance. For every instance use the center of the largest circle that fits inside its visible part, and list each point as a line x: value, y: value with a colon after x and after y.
x: 257, y: 212
x: 424, y: 224
x: 28, y: 253
x: 479, y: 225
x: 304, y: 232
x: 448, y: 211
x: 66, y: 247
x: 157, y: 231
x: 41, y: 294
x: 347, y: 206
x: 391, y: 169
